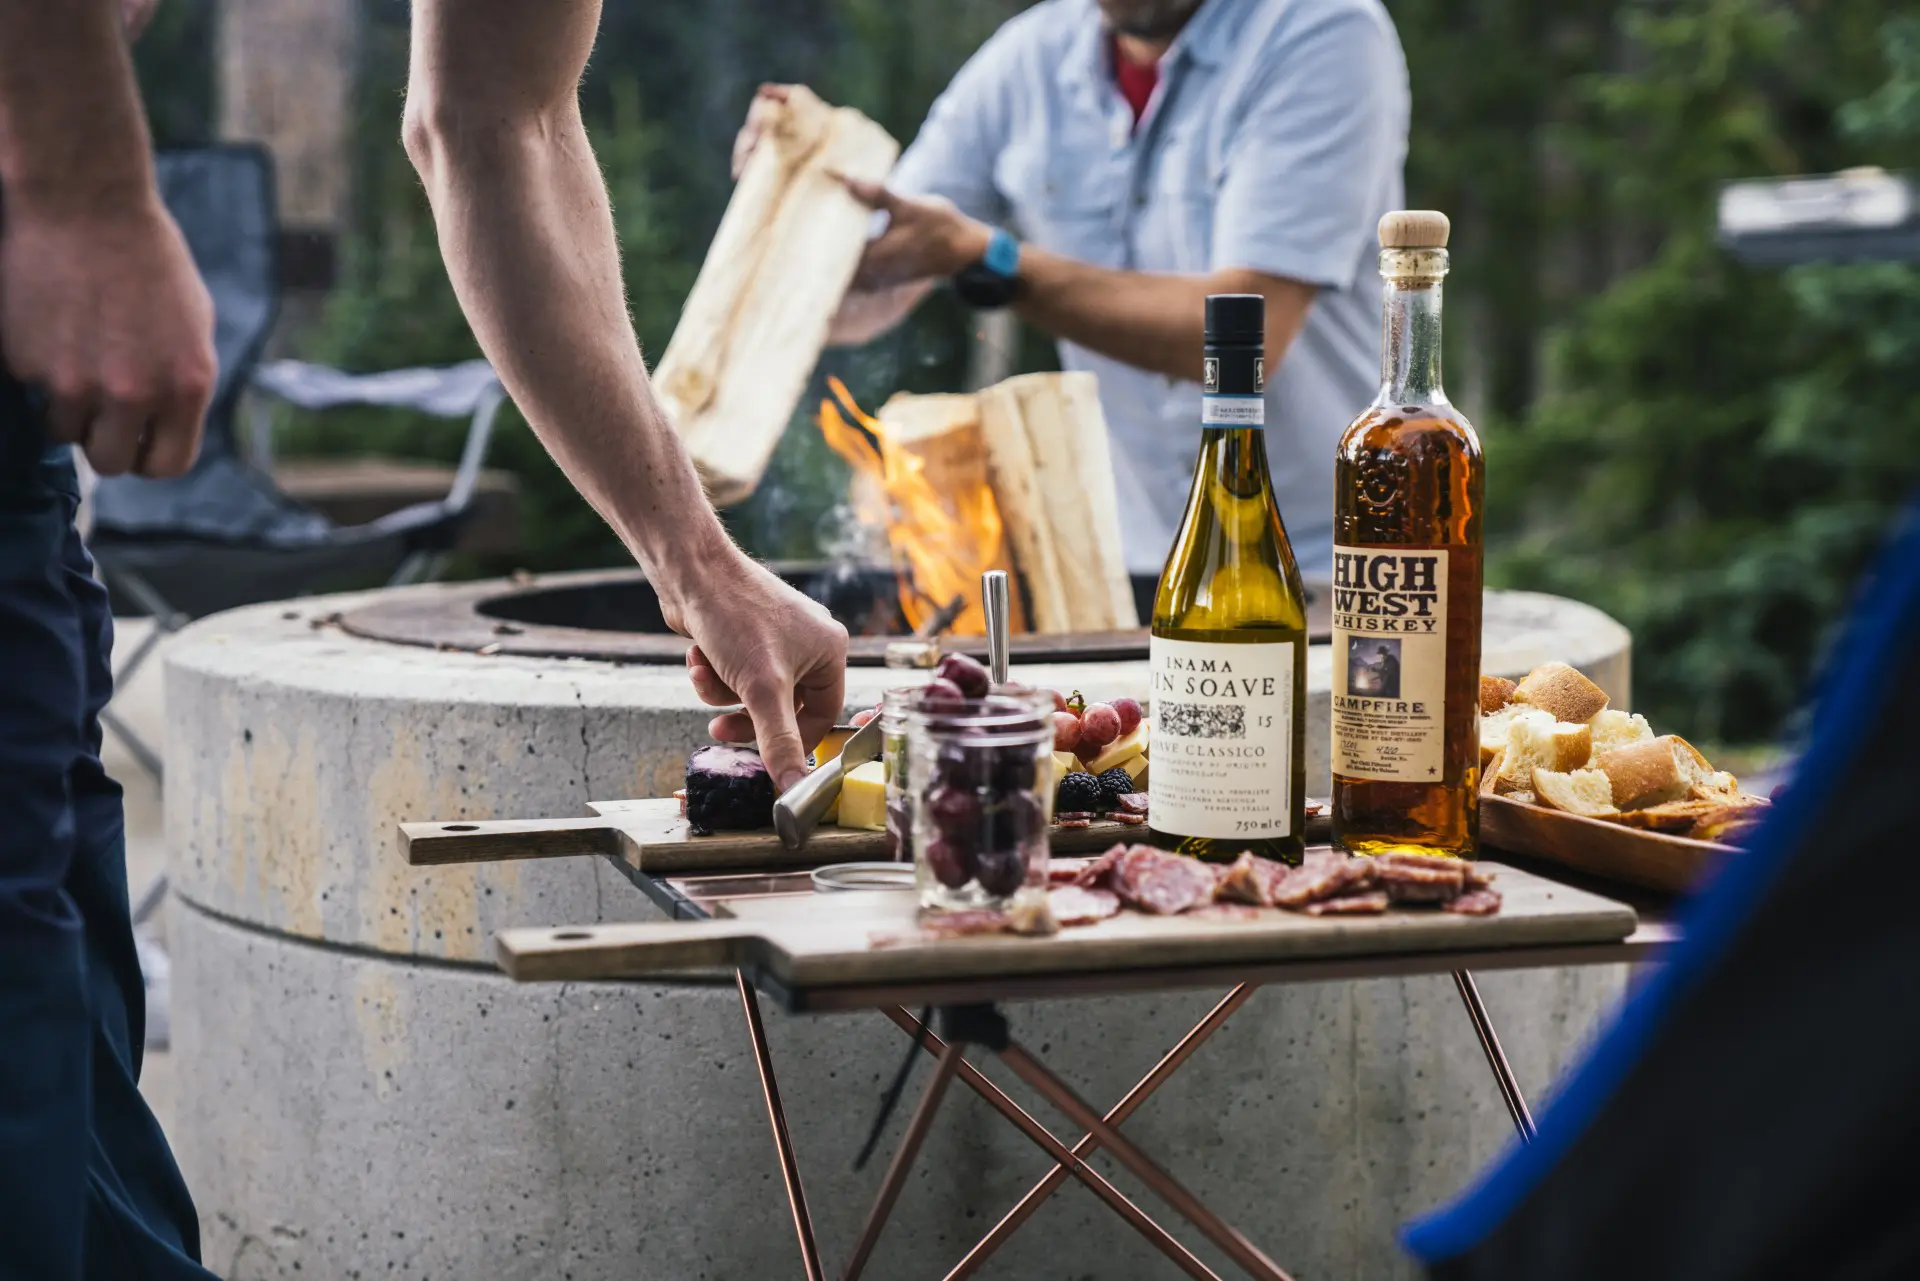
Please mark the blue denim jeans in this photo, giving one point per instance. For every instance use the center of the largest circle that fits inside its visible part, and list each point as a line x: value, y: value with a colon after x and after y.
x: 88, y: 1188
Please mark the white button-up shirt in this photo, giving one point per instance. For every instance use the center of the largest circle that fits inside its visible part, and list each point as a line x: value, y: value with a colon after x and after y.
x: 1274, y: 142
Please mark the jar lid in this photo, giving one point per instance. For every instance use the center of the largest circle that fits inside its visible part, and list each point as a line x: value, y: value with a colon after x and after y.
x: 835, y: 877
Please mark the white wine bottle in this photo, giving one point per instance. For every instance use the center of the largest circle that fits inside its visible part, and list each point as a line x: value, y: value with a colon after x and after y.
x: 1229, y: 644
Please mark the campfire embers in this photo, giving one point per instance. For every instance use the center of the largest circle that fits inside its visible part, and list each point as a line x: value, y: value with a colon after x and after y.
x: 925, y: 483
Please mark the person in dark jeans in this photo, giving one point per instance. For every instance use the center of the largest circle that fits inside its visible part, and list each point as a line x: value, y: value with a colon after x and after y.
x: 102, y: 315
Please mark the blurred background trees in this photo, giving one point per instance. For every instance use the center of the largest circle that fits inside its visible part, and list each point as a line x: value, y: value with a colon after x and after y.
x: 1706, y: 451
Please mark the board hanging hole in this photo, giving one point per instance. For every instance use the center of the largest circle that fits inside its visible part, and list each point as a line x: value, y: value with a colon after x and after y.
x: 460, y: 827
x: 572, y: 936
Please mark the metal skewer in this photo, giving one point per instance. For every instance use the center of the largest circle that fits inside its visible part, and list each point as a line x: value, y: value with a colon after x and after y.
x: 993, y: 595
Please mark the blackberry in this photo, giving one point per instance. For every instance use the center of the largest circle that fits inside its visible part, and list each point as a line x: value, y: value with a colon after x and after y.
x: 1114, y: 784
x: 1079, y: 793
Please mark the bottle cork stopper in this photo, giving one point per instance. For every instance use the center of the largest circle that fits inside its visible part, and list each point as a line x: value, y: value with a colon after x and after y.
x: 1414, y: 229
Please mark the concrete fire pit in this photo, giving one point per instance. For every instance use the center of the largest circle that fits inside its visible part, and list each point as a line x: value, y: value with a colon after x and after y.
x: 361, y: 1093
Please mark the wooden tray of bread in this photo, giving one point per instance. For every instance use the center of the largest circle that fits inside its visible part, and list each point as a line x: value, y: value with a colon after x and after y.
x: 1567, y: 778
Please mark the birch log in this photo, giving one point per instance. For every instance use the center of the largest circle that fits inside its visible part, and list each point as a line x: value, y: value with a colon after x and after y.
x: 1052, y: 475
x: 756, y: 322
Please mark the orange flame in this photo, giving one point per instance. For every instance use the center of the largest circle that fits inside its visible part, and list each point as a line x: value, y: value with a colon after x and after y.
x: 942, y: 540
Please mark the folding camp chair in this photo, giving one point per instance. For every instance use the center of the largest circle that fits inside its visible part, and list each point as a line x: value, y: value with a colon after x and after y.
x: 222, y: 535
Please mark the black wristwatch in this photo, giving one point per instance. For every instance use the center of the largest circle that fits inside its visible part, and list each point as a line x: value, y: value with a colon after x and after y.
x: 994, y: 281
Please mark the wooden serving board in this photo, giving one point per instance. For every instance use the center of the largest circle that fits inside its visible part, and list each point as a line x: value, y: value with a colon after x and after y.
x: 1655, y: 860
x: 652, y: 836
x: 821, y: 940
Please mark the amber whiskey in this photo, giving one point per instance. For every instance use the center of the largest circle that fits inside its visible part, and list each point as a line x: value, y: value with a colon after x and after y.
x: 1408, y: 493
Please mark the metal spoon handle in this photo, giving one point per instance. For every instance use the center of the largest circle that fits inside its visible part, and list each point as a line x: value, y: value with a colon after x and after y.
x: 994, y: 589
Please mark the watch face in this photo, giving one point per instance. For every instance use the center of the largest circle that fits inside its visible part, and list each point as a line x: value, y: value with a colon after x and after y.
x: 980, y: 286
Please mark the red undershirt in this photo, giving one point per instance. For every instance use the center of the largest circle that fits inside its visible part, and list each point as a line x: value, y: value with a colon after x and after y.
x: 1136, y: 82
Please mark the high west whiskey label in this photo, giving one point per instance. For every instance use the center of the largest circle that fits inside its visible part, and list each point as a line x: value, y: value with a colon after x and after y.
x: 1389, y: 663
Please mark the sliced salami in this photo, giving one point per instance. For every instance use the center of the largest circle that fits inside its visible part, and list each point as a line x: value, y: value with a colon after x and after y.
x: 1096, y: 872
x: 1475, y: 903
x: 1252, y: 879
x: 1368, y: 903
x: 1073, y: 905
x: 1321, y: 877
x: 1162, y: 883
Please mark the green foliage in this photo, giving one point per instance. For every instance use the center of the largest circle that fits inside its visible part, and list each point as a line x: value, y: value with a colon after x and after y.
x: 1720, y: 448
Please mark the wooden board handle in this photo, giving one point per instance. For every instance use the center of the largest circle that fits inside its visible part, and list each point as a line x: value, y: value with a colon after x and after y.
x: 626, y: 951
x: 437, y: 844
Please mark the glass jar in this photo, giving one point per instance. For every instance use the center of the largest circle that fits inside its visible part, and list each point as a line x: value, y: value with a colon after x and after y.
x: 894, y: 706
x: 978, y: 779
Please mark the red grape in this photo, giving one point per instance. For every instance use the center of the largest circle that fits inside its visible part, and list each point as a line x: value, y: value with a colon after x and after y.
x: 864, y: 715
x: 949, y: 864
x: 1001, y: 871
x: 1129, y: 712
x: 1099, y: 725
x: 956, y: 812
x: 1066, y: 731
x: 966, y: 673
x: 1059, y: 703
x: 942, y: 695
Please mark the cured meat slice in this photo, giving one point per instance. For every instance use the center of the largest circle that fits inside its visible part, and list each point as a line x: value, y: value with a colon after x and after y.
x: 1420, y: 878
x: 1073, y: 822
x: 1252, y: 879
x: 1096, y: 872
x: 1368, y: 903
x: 951, y: 925
x: 1162, y: 883
x: 1132, y: 802
x: 1479, y: 878
x: 1225, y: 912
x: 1073, y: 905
x: 1322, y: 876
x: 1064, y: 871
x: 1474, y: 903
x: 1130, y: 819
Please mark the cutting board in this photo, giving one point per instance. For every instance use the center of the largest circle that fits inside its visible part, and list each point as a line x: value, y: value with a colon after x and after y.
x: 1655, y: 860
x: 820, y: 940
x: 652, y: 836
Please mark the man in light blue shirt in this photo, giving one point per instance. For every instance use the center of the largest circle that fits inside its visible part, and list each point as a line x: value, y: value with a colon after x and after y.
x: 1148, y: 153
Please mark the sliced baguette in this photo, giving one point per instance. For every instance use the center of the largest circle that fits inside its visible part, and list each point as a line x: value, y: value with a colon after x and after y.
x: 1490, y: 771
x: 1494, y: 727
x: 1613, y: 729
x: 1495, y: 693
x: 1558, y: 688
x: 1668, y: 816
x: 1720, y: 786
x: 1586, y: 792
x: 1654, y: 772
x: 1538, y: 743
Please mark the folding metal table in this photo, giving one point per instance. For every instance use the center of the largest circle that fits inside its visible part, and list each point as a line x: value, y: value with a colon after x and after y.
x: 967, y: 1013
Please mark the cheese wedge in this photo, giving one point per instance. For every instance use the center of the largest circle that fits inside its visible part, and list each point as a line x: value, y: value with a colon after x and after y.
x: 863, y: 797
x: 1120, y: 750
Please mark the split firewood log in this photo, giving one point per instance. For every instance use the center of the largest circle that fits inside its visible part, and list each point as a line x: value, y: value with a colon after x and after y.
x: 780, y: 263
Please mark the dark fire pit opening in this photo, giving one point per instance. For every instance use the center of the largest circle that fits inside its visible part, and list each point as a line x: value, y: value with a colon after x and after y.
x: 615, y: 616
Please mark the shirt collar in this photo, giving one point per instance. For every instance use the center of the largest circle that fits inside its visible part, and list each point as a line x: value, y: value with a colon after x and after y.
x: 1207, y: 39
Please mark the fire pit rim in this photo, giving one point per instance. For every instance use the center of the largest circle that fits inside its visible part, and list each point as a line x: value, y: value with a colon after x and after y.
x: 452, y: 617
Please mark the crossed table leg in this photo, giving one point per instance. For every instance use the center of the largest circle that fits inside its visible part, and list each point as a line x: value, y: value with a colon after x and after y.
x: 984, y: 1025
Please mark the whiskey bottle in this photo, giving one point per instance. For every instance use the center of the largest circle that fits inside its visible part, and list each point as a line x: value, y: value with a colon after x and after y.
x: 1408, y: 493
x: 1228, y: 650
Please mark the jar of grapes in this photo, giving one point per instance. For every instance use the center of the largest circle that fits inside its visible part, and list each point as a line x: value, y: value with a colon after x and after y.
x: 978, y: 774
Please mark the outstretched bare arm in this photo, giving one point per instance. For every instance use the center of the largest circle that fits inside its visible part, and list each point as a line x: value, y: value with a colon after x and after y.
x: 493, y: 125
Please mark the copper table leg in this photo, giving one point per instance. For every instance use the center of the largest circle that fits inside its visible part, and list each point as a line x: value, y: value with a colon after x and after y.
x: 1189, y: 1206
x: 1496, y: 1057
x: 789, y: 1167
x: 1116, y: 1200
x: 1166, y: 1067
x: 950, y: 1060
